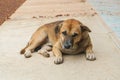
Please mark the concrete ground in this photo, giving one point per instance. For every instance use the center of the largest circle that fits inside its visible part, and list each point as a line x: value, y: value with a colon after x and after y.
x: 15, y: 33
x: 109, y: 10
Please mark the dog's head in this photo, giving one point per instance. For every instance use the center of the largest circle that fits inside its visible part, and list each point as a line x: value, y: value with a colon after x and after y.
x: 71, y: 33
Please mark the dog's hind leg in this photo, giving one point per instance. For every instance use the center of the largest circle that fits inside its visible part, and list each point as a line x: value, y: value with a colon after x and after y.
x: 38, y: 39
x: 45, y: 49
x: 23, y: 50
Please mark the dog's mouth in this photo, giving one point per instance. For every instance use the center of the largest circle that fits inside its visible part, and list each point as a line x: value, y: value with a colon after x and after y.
x: 70, y: 47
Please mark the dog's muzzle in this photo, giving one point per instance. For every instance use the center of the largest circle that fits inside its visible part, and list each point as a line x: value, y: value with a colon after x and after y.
x: 68, y: 43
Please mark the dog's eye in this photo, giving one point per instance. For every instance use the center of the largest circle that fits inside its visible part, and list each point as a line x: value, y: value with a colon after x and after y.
x: 64, y: 33
x: 74, y: 35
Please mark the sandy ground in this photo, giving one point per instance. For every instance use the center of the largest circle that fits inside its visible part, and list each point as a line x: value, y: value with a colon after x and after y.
x: 15, y: 33
x: 7, y: 7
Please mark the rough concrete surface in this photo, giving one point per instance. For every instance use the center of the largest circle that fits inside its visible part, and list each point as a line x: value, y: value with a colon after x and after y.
x: 15, y: 33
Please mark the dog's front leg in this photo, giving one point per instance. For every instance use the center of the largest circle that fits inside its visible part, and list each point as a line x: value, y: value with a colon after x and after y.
x: 58, y: 55
x: 90, y: 54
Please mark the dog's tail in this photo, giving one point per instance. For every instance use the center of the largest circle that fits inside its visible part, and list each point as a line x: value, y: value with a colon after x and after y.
x: 23, y: 50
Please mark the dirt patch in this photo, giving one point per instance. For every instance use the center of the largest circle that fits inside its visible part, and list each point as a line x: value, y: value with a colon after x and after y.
x: 7, y: 8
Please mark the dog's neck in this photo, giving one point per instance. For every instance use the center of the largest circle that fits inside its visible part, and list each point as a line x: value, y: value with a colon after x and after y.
x: 80, y: 42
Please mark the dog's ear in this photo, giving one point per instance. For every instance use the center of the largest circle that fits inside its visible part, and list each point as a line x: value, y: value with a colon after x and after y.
x: 58, y: 27
x: 85, y: 28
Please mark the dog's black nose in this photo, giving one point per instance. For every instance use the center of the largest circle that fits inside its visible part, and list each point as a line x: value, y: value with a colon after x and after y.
x: 68, y: 43
x: 67, y: 46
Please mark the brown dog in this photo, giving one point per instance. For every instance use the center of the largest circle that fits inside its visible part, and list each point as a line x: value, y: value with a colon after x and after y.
x: 66, y: 36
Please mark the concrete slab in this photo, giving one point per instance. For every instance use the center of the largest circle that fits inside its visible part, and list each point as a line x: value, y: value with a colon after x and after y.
x: 15, y: 33
x: 110, y: 12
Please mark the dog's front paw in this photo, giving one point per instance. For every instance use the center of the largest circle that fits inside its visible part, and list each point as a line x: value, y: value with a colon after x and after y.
x: 90, y: 56
x: 27, y: 54
x: 58, y: 60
